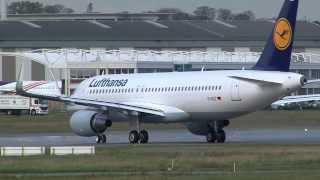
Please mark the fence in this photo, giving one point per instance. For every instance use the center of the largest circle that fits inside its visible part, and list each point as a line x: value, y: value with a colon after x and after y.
x: 38, y: 151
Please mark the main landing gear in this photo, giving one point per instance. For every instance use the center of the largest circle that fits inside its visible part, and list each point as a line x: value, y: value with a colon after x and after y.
x: 141, y: 138
x: 137, y: 136
x: 216, y: 133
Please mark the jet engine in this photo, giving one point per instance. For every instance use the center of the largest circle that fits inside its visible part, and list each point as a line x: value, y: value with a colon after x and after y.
x: 89, y: 123
x: 202, y: 128
x: 198, y: 128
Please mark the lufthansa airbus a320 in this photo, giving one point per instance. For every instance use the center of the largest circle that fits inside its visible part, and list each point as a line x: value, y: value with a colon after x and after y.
x: 203, y: 101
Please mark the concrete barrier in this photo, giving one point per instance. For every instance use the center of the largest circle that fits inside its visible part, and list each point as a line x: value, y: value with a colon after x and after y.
x: 72, y: 150
x: 22, y: 151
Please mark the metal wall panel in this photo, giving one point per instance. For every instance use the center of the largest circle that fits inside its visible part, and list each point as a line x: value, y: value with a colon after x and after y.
x: 8, y: 68
x: 38, y: 72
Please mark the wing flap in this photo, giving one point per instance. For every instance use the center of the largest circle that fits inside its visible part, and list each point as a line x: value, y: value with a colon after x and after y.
x: 123, y: 106
x: 170, y: 113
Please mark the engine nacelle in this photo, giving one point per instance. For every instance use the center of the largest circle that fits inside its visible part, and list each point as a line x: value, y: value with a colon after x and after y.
x: 198, y: 128
x: 202, y: 128
x: 89, y: 123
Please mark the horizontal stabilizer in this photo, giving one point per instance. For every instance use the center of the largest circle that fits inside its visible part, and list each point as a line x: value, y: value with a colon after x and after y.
x: 258, y: 80
x: 315, y: 81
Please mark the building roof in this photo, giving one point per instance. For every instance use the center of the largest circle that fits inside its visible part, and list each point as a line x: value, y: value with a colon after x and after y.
x: 145, y: 33
x: 88, y: 16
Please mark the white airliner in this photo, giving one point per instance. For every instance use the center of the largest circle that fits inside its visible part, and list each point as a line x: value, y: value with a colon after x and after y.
x: 296, y: 99
x: 203, y: 101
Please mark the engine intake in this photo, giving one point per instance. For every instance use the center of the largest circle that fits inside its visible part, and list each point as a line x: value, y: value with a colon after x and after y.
x: 89, y: 123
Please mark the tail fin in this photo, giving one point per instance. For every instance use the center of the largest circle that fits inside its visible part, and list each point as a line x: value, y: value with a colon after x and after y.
x: 277, y: 52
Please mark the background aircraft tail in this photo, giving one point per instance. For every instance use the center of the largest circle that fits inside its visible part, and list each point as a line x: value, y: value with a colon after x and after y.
x: 277, y: 52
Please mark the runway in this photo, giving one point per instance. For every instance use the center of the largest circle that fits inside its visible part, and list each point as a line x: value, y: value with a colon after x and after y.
x: 257, y: 136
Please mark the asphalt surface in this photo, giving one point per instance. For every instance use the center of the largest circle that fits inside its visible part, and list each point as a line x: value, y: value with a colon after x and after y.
x: 266, y: 136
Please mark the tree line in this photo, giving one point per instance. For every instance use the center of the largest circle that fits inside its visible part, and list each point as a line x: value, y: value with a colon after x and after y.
x: 208, y: 13
x: 27, y: 7
x: 200, y: 13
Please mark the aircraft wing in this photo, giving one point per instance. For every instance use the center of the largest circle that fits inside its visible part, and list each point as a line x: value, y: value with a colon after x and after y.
x: 42, y: 87
x: 148, y: 108
x: 120, y: 106
x: 297, y: 99
x: 315, y: 81
x: 7, y: 87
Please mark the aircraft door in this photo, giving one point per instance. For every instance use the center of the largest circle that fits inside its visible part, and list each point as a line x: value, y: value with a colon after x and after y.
x: 235, y: 91
x: 141, y: 91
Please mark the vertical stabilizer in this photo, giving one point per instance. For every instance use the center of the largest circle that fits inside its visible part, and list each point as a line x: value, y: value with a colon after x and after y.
x: 277, y: 52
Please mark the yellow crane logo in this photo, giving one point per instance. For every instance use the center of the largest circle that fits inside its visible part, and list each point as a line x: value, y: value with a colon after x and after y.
x: 282, y: 36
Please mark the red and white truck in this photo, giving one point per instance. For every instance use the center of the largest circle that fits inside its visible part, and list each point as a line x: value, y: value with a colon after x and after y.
x: 16, y: 105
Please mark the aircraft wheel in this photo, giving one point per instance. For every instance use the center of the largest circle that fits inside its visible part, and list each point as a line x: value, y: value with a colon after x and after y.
x: 144, y: 137
x: 133, y: 137
x: 211, y: 138
x: 98, y: 139
x: 101, y: 139
x: 221, y: 136
x: 104, y: 139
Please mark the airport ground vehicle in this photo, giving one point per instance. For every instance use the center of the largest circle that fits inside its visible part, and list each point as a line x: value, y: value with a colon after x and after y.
x: 16, y: 105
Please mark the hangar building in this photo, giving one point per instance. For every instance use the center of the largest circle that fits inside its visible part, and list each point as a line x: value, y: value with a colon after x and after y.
x: 146, y: 34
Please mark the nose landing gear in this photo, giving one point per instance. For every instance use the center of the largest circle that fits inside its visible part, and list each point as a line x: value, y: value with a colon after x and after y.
x: 101, y: 139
